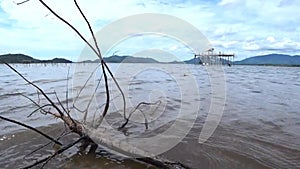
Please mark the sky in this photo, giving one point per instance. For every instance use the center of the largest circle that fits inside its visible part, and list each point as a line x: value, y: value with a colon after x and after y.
x: 243, y: 27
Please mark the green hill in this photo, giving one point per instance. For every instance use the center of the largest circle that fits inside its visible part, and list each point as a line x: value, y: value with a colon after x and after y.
x: 18, y: 58
x: 21, y: 58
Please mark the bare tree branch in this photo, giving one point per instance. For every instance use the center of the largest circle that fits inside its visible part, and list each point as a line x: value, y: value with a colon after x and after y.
x: 64, y: 113
x: 96, y: 52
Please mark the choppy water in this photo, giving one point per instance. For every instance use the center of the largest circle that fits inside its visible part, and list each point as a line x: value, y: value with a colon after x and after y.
x: 259, y: 127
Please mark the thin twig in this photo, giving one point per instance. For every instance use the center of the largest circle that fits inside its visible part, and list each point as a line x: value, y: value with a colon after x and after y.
x: 93, y: 95
x: 38, y: 95
x: 103, y: 63
x: 67, y: 92
x: 40, y: 108
x: 74, y: 123
x: 59, y: 102
x: 67, y: 97
x: 37, y: 104
x: 20, y: 3
x: 31, y: 128
x: 81, y: 89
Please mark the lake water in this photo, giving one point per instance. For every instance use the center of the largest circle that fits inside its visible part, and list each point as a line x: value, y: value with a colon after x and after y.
x: 259, y: 123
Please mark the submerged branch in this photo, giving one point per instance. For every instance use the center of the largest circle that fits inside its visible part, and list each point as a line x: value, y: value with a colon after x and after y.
x: 99, y: 107
x: 31, y: 128
x: 137, y: 108
x: 45, y: 160
x: 45, y: 145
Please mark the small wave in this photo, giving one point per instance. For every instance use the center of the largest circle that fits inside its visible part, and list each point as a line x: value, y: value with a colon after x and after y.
x: 280, y: 104
x: 270, y: 123
x: 277, y: 82
x: 176, y: 100
x: 4, y: 76
x: 137, y: 82
x: 43, y: 81
x: 255, y: 91
x: 11, y: 94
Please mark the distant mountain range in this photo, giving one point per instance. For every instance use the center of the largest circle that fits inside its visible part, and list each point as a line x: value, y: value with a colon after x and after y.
x: 271, y: 59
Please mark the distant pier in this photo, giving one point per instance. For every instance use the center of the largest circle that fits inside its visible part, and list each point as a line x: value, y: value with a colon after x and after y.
x: 210, y: 58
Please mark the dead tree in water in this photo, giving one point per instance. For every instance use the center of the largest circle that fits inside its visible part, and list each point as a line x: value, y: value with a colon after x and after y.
x: 64, y: 114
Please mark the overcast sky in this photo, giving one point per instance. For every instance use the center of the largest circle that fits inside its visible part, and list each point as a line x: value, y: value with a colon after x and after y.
x: 243, y: 27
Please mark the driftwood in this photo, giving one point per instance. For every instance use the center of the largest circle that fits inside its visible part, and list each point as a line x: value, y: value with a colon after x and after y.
x: 64, y: 112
